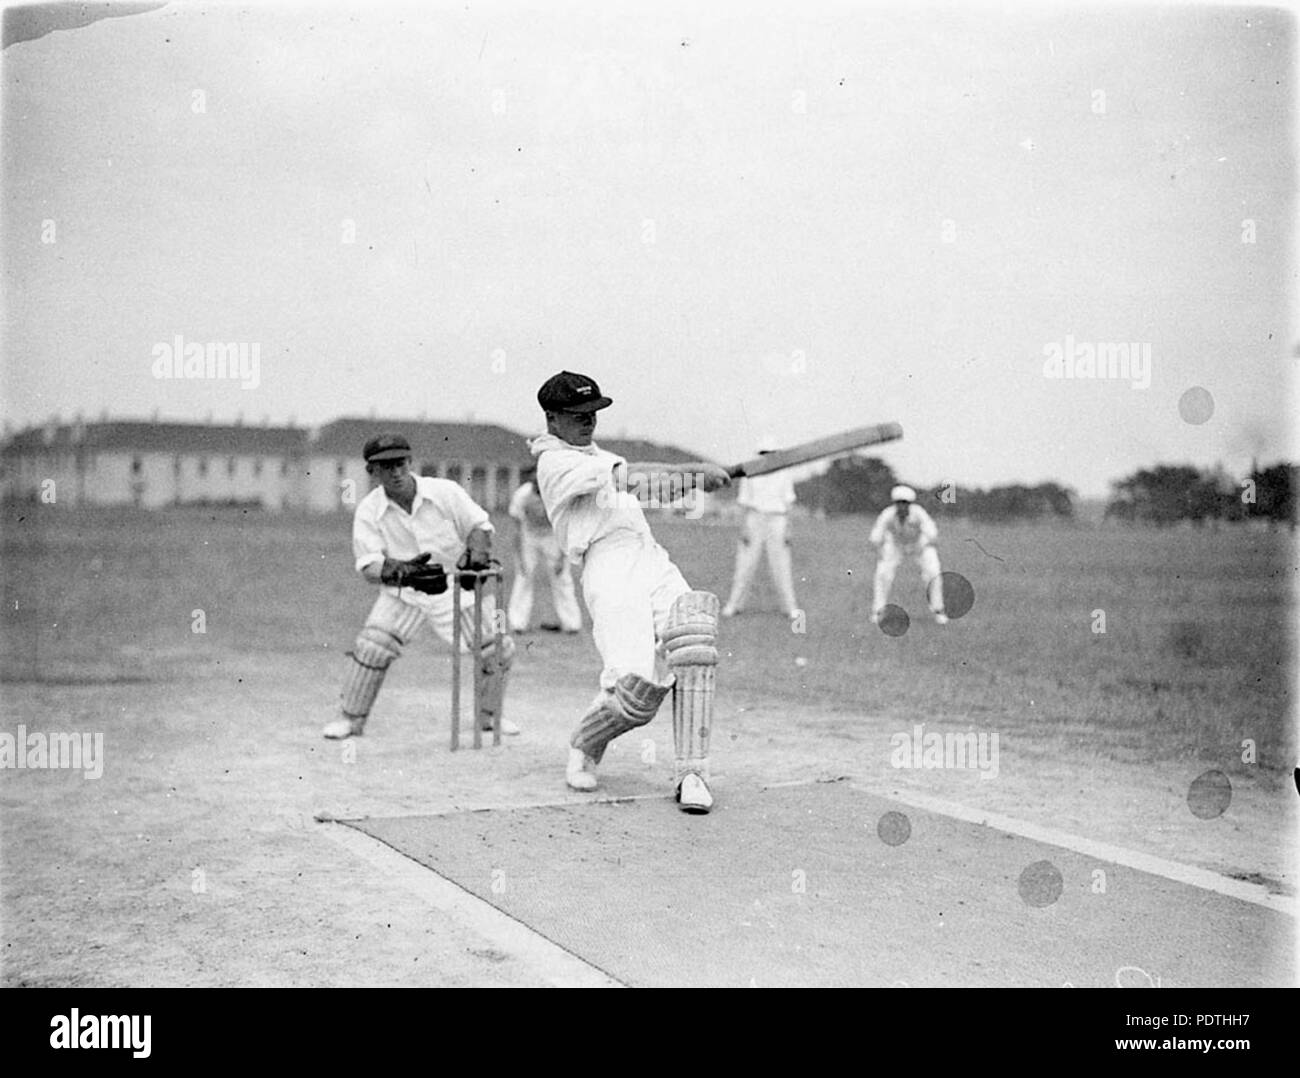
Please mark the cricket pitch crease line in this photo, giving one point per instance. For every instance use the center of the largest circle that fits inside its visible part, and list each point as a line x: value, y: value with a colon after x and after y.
x: 496, y: 806
x: 1203, y: 878
x: 553, y: 963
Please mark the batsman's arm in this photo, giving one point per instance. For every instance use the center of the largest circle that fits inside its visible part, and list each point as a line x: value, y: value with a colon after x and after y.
x: 712, y: 475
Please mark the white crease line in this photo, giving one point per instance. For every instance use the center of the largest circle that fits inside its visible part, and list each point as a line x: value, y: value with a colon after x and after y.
x: 552, y: 962
x: 391, y: 812
x: 1102, y: 851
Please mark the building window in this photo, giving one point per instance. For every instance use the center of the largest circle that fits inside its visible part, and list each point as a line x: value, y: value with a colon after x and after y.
x: 504, y: 489
x: 257, y: 467
x: 136, y: 466
x: 176, y: 467
x: 339, y: 469
x: 453, y: 472
x: 478, y: 484
x: 203, y: 466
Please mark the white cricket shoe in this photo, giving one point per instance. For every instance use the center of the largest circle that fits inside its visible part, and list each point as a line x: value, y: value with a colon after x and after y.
x: 941, y: 619
x: 581, y: 772
x: 693, y: 794
x: 875, y: 617
x: 729, y: 611
x: 508, y: 728
x: 343, y: 727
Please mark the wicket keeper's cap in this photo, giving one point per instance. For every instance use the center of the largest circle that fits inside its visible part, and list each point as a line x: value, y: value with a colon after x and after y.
x: 569, y: 392
x: 386, y: 447
x: 902, y: 494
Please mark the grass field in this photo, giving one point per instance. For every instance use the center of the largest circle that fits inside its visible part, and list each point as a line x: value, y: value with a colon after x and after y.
x: 1196, y: 654
x: 197, y: 859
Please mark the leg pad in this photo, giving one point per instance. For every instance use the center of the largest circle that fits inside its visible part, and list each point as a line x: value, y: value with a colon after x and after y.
x: 371, y: 655
x: 631, y: 703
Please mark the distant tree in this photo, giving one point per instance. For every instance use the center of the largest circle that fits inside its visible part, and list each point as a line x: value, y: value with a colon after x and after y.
x: 1275, y: 490
x: 849, y: 485
x: 1012, y: 502
x: 1059, y: 499
x: 1169, y: 493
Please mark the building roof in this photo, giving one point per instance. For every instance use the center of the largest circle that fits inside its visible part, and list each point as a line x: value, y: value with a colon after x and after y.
x: 144, y: 436
x: 429, y: 441
x: 634, y: 451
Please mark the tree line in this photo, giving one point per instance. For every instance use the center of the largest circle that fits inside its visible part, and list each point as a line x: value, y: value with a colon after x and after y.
x: 1164, y: 494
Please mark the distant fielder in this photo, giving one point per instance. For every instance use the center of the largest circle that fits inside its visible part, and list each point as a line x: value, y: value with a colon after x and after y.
x: 905, y: 529
x: 403, y: 534
x: 537, y: 547
x: 654, y: 634
x: 766, y: 500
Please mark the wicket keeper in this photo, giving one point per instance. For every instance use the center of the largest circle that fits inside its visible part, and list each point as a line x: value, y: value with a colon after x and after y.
x: 404, y: 533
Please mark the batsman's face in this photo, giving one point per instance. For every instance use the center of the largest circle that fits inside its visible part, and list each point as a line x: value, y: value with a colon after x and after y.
x: 576, y: 428
x: 395, y: 475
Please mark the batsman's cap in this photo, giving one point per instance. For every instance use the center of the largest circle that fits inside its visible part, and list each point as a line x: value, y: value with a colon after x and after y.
x: 766, y: 445
x: 569, y: 392
x: 386, y: 447
x: 902, y: 494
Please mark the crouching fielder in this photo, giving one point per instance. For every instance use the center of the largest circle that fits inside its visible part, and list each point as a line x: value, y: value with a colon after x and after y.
x: 905, y: 529
x: 654, y: 633
x: 403, y: 533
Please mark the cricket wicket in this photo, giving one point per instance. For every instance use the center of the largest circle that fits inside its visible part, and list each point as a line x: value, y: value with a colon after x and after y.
x: 481, y: 577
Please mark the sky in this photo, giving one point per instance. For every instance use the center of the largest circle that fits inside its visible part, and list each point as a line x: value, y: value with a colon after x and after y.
x: 744, y: 221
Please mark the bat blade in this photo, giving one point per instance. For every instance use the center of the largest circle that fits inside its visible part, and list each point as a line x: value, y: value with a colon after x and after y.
x: 822, y: 447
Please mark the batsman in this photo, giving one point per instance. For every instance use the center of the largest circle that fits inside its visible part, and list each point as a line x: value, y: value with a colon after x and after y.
x: 655, y: 634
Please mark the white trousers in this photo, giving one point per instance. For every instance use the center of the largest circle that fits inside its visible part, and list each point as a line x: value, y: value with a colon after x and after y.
x: 404, y: 617
x: 629, y: 585
x: 541, y: 549
x: 763, y: 531
x: 887, y: 564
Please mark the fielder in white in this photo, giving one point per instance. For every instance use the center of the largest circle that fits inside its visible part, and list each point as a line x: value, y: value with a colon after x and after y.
x: 904, y: 529
x: 403, y: 533
x: 654, y: 634
x: 767, y: 500
x: 537, y: 546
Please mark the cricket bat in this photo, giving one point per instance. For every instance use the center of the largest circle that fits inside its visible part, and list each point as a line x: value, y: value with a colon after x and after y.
x: 822, y: 447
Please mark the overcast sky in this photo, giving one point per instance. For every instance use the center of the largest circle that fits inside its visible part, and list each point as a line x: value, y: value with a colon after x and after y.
x: 742, y: 224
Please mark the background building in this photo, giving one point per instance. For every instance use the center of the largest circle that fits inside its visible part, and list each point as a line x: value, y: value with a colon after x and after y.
x: 154, y: 464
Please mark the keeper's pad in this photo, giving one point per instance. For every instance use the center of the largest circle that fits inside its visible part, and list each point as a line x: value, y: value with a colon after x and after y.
x: 495, y: 675
x: 389, y: 627
x: 632, y: 702
x: 690, y: 646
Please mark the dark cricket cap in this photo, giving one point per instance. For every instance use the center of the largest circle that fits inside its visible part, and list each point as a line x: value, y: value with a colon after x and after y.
x: 569, y: 392
x: 386, y: 447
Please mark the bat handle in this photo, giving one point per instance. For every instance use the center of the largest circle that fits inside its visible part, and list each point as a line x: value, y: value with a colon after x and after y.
x: 736, y: 471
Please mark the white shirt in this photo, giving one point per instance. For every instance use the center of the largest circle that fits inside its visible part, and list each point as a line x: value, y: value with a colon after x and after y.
x: 772, y: 493
x: 441, y: 518
x: 581, y: 498
x: 909, y: 538
x: 527, y: 508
